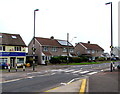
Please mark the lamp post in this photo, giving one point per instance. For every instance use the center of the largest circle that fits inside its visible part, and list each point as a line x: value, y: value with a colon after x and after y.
x: 67, y: 48
x: 33, y: 48
x: 111, y: 52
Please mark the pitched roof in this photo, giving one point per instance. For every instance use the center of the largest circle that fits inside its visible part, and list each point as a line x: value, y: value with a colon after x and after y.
x: 51, y: 42
x: 11, y: 40
x: 92, y: 46
x: 47, y: 53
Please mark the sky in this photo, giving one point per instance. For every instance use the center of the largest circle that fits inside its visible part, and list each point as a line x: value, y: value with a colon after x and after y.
x: 88, y: 20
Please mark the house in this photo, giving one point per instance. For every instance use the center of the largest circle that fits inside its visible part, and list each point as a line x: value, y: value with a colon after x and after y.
x: 12, y: 49
x: 49, y: 47
x: 116, y: 52
x: 88, y: 49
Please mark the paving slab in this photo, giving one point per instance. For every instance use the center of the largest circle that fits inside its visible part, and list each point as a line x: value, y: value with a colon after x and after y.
x: 72, y: 87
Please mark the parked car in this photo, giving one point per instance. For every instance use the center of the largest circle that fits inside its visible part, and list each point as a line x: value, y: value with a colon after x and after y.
x: 3, y: 65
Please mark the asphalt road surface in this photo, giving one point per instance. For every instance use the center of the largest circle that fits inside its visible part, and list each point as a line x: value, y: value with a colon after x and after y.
x: 42, y: 81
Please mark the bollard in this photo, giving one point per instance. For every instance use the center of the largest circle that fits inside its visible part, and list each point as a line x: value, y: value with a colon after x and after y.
x: 16, y: 68
x: 23, y: 68
x: 113, y: 65
x: 8, y: 68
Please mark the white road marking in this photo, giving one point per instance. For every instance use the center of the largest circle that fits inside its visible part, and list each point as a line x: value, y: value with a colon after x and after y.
x: 53, y: 73
x: 69, y: 70
x: 10, y: 81
x: 77, y: 71
x: 84, y: 72
x: 30, y: 77
x: 92, y: 73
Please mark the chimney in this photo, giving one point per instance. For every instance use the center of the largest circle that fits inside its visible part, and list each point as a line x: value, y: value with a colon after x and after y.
x: 88, y: 42
x: 51, y: 37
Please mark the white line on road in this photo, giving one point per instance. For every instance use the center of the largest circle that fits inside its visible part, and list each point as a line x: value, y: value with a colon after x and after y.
x: 92, y: 73
x: 84, y: 72
x: 77, y: 71
x: 53, y: 73
x: 69, y: 71
x: 30, y: 77
x: 10, y: 80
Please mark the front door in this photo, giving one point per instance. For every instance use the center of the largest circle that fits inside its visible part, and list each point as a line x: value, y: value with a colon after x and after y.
x: 12, y: 62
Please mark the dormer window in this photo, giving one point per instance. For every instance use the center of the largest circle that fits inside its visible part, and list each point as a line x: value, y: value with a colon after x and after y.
x: 14, y: 37
x: 0, y: 36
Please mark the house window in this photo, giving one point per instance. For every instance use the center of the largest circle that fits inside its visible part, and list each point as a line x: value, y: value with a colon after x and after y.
x: 2, y: 48
x: 54, y: 49
x: 64, y: 49
x: 45, y: 48
x: 93, y: 51
x: 71, y: 50
x: 17, y: 48
x: 14, y: 37
x: 88, y: 51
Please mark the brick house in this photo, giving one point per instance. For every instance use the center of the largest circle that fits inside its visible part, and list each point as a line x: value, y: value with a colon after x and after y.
x: 49, y: 47
x: 116, y: 52
x: 91, y: 50
x: 12, y: 49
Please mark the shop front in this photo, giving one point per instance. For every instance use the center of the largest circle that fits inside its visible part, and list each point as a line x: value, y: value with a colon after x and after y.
x: 13, y: 58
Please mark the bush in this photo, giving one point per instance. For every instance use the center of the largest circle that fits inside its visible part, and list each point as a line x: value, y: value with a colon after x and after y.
x: 55, y: 60
x: 63, y: 59
x: 100, y: 59
x: 75, y: 59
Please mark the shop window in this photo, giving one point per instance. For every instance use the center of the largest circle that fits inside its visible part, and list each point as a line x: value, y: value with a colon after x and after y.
x: 20, y: 60
x: 3, y: 60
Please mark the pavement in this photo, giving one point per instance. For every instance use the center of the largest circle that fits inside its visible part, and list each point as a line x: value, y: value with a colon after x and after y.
x: 103, y: 82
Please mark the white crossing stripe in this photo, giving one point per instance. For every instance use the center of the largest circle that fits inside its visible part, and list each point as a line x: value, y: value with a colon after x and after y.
x: 69, y: 70
x: 77, y: 71
x: 92, y: 73
x: 84, y: 72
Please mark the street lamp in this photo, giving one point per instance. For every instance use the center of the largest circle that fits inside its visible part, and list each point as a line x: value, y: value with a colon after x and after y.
x: 33, y: 48
x: 73, y: 38
x: 67, y: 48
x: 111, y: 36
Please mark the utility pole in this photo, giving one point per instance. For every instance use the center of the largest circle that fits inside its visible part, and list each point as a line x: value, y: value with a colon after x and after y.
x: 111, y: 52
x: 67, y: 48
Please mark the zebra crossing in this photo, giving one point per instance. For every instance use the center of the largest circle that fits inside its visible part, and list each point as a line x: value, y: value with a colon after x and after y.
x: 74, y: 71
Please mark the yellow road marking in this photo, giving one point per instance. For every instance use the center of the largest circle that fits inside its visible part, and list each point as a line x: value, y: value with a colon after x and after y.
x: 83, y: 86
x: 51, y: 89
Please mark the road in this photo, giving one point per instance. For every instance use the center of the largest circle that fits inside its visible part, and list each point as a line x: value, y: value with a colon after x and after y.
x: 45, y: 80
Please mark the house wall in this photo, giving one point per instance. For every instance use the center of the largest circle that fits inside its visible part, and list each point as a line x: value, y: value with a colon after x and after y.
x: 58, y: 52
x: 37, y: 52
x: 79, y: 49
